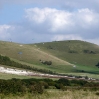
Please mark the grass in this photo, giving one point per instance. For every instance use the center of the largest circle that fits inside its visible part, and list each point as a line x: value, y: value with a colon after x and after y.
x: 58, y: 94
x: 57, y: 52
x: 86, y: 69
x: 54, y: 68
x: 96, y: 76
x: 83, y: 61
x: 30, y: 55
x: 10, y: 76
x: 61, y: 49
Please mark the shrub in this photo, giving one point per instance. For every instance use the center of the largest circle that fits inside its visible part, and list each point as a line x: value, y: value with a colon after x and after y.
x: 47, y: 62
x: 64, y: 81
x: 37, y: 88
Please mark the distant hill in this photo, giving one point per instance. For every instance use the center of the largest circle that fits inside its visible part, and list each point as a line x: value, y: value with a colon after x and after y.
x: 71, y: 56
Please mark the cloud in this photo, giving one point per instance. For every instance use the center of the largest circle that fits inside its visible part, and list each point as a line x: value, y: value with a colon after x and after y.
x: 95, y: 40
x: 63, y: 21
x: 4, y: 34
x: 66, y: 37
x: 4, y: 28
x: 48, y: 24
x: 63, y: 4
x: 81, y: 24
x: 57, y: 19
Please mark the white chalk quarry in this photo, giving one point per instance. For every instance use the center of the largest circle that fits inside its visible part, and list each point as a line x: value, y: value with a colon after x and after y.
x: 14, y: 71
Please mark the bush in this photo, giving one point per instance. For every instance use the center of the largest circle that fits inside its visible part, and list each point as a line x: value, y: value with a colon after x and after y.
x: 44, y: 84
x: 97, y: 64
x: 64, y: 81
x: 37, y: 88
x: 47, y: 62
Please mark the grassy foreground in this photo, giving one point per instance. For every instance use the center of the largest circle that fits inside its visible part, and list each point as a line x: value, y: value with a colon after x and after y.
x: 57, y: 94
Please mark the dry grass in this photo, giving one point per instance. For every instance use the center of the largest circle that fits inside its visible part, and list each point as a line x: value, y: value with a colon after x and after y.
x: 56, y: 94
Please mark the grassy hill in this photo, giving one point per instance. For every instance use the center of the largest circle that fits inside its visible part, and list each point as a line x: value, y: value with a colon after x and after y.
x: 32, y: 55
x: 70, y: 56
x: 76, y: 52
x: 83, y: 54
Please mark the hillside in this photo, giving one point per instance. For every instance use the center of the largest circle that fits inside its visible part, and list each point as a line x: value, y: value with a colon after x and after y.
x: 32, y: 55
x: 83, y: 54
x: 70, y: 56
x: 79, y: 52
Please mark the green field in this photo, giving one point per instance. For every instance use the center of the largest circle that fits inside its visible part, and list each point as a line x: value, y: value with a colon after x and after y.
x: 10, y: 76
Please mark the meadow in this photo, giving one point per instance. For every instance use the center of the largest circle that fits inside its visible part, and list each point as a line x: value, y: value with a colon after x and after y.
x: 57, y: 94
x: 73, y: 51
x: 64, y: 55
x: 77, y: 58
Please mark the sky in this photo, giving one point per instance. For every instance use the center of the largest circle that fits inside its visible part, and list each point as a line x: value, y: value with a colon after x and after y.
x: 34, y: 21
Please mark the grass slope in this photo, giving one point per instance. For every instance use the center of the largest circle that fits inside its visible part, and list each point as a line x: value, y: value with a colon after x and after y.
x: 31, y: 55
x: 83, y: 54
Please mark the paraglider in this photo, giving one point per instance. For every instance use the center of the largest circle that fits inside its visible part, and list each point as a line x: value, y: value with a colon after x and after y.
x: 20, y: 53
x: 10, y: 40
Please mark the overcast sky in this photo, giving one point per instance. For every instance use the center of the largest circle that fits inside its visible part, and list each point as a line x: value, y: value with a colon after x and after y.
x: 33, y: 21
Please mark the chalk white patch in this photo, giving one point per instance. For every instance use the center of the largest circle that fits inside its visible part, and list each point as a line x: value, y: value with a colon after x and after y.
x: 14, y: 71
x: 21, y: 45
